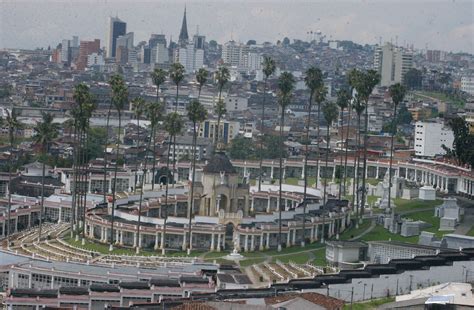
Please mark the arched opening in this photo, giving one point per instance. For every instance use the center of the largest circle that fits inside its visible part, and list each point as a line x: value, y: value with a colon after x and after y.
x: 163, y: 176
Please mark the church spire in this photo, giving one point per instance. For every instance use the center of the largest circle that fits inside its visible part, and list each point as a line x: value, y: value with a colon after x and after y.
x: 183, y: 34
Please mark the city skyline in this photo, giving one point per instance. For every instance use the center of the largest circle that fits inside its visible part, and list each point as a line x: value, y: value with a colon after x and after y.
x: 263, y: 21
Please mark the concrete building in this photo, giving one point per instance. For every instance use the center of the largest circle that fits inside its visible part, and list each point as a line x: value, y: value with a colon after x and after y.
x: 467, y: 84
x: 190, y: 57
x: 236, y: 103
x: 345, y: 252
x: 87, y: 48
x: 430, y: 137
x: 66, y: 51
x: 381, y: 252
x: 116, y: 28
x: 235, y: 54
x: 227, y: 130
x: 392, y: 63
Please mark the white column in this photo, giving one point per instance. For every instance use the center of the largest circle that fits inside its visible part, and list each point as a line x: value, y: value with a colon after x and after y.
x: 252, y: 243
x: 184, y: 241
x: 316, y: 232
x: 156, y: 241
x: 288, y: 238
x: 267, y: 245
x: 269, y: 204
x: 218, y: 242
x: 311, y: 234
x: 212, y: 242
x: 294, y: 236
x: 271, y: 172
x: 246, y: 239
x: 376, y: 172
x: 134, y: 239
x: 260, y: 247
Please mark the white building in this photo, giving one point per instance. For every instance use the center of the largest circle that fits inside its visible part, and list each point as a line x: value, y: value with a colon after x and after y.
x: 190, y: 57
x: 392, y: 63
x: 160, y: 54
x: 429, y: 138
x: 467, y: 84
x: 235, y: 54
x: 235, y: 103
x: 66, y: 50
x: 95, y: 59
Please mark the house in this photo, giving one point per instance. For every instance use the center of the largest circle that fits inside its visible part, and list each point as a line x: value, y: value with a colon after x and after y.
x: 343, y: 252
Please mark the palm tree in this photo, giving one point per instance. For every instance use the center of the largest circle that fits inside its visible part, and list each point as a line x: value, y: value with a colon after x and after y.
x: 13, y: 125
x: 173, y: 125
x: 359, y: 109
x: 45, y: 132
x: 269, y: 68
x: 313, y: 80
x: 350, y: 79
x: 364, y: 86
x: 201, y: 78
x: 177, y: 76
x: 397, y: 92
x: 343, y: 98
x: 159, y: 77
x: 196, y: 114
x: 222, y: 76
x: 330, y: 115
x: 319, y: 96
x: 220, y: 110
x: 119, y: 100
x: 138, y: 106
x: 152, y: 111
x: 286, y: 85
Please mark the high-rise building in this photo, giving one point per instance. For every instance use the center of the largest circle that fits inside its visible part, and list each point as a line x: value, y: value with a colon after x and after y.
x: 66, y: 51
x: 392, y: 63
x: 85, y: 49
x: 116, y: 28
x: 199, y: 41
x: 160, y: 54
x: 235, y: 54
x: 95, y: 59
x: 75, y: 42
x: 467, y: 84
x: 183, y: 34
x: 157, y: 39
x: 430, y: 137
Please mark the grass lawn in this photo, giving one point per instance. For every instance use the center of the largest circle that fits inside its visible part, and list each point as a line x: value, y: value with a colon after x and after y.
x: 353, y: 231
x: 299, y: 258
x: 294, y: 249
x: 441, y: 96
x: 104, y: 249
x: 428, y: 217
x: 380, y: 233
x: 251, y: 261
x: 408, y: 205
x: 372, y: 181
x: 373, y: 304
x: 471, y: 232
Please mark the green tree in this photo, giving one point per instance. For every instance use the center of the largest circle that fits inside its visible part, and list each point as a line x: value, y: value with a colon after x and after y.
x: 313, y: 81
x: 201, y: 77
x: 220, y: 111
x: 462, y: 150
x: 45, y: 132
x: 269, y: 68
x: 13, y: 125
x: 196, y: 114
x: 397, y: 92
x: 138, y: 107
x: 119, y: 100
x: 241, y: 148
x: 222, y: 76
x: 286, y: 85
x: 177, y: 76
x: 412, y: 79
x: 343, y: 101
x: 159, y: 77
x: 365, y: 84
x: 330, y: 115
x: 152, y: 111
x: 173, y: 125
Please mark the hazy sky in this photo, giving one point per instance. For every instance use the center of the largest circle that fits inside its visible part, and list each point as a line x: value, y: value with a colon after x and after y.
x: 446, y: 25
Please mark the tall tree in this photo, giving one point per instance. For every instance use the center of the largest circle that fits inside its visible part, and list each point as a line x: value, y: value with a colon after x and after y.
x: 222, y: 76
x: 343, y: 98
x: 196, y: 114
x: 269, y: 68
x: 152, y: 110
x: 319, y: 96
x: 177, y: 76
x: 173, y: 125
x: 286, y: 85
x: 397, y: 92
x: 119, y: 100
x: 462, y: 150
x: 13, y: 125
x: 313, y: 81
x: 330, y: 115
x: 45, y: 132
x: 159, y: 77
x: 365, y: 85
x: 201, y: 77
x: 351, y: 76
x: 359, y: 109
x: 138, y: 107
x: 220, y: 110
